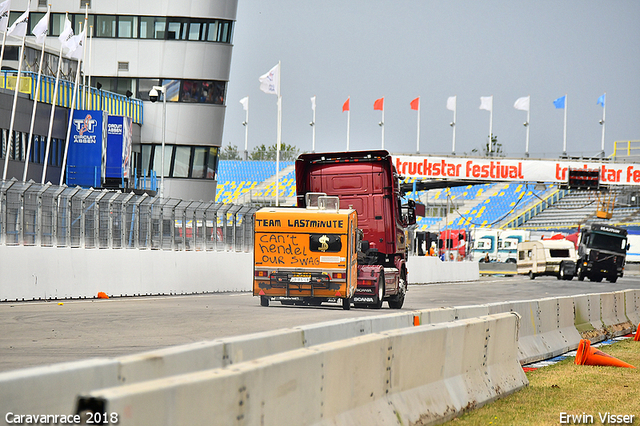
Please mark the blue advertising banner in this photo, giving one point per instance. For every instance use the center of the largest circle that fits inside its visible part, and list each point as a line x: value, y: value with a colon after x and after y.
x: 87, y: 149
x: 119, y: 140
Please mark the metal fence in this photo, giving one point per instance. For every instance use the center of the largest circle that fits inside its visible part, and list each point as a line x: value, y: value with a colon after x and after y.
x: 32, y: 214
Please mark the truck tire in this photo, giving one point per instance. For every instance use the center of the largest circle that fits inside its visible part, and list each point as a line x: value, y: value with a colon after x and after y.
x: 397, y: 301
x: 613, y: 279
x: 346, y: 303
x: 380, y: 296
x: 264, y: 301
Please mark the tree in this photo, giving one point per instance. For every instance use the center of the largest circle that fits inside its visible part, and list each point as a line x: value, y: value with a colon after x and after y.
x: 496, y: 148
x: 262, y: 152
x: 229, y: 152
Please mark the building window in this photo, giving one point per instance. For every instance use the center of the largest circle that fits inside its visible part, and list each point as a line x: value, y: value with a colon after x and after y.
x: 105, y: 26
x: 181, y: 161
x: 152, y: 27
x: 128, y: 26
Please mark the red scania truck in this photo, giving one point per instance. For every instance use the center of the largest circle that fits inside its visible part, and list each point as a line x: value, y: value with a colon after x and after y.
x: 367, y: 182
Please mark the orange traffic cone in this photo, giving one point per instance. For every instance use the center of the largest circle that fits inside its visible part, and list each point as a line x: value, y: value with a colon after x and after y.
x: 637, y: 336
x: 102, y: 295
x: 587, y: 355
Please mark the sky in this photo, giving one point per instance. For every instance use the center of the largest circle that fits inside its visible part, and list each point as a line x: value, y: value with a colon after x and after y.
x: 403, y: 49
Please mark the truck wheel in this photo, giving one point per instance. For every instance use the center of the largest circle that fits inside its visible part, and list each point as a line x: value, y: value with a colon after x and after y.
x: 398, y: 301
x: 580, y: 274
x: 346, y: 303
x: 613, y: 279
x: 264, y: 301
x: 381, y: 283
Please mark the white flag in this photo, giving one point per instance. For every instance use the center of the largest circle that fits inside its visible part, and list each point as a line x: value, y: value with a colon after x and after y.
x: 451, y: 103
x: 4, y: 15
x: 41, y: 29
x: 486, y: 102
x: 313, y: 103
x: 19, y: 27
x: 245, y: 103
x: 522, y: 103
x: 78, y: 42
x: 269, y: 81
x: 66, y: 35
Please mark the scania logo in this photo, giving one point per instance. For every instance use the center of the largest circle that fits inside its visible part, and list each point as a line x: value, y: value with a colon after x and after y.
x: 85, y: 125
x: 363, y: 299
x: 364, y: 290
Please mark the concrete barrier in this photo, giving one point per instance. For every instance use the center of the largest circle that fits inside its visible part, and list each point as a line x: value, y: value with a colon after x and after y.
x: 50, y: 273
x: 587, y: 317
x: 612, y: 307
x: 333, y: 383
x: 632, y: 306
x: 430, y: 269
x: 497, y: 268
x: 44, y: 273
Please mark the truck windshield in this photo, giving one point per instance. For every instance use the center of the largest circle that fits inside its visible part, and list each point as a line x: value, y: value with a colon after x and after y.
x: 607, y: 242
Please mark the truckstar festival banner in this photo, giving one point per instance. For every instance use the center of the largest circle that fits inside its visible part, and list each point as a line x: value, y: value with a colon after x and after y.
x: 503, y: 169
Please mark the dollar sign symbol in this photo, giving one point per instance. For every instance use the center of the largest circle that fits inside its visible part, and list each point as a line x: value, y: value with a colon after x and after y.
x: 323, y: 240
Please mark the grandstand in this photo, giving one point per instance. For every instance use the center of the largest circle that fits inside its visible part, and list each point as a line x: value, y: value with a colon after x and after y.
x: 518, y: 204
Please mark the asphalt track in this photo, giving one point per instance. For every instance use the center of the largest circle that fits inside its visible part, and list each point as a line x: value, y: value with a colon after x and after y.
x: 40, y: 333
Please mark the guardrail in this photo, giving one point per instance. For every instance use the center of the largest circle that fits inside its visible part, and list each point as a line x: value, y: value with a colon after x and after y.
x: 339, y: 371
x: 113, y: 103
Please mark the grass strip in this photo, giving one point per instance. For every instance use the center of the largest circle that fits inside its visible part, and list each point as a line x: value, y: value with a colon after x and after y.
x: 576, y: 390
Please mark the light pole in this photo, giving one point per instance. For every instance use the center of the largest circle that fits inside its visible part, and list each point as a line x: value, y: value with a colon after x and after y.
x: 153, y: 97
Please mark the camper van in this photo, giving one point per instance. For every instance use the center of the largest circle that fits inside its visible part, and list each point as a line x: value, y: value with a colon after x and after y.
x: 547, y: 257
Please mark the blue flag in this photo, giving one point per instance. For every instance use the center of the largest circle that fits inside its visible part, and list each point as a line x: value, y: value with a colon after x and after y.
x: 601, y: 100
x: 559, y: 103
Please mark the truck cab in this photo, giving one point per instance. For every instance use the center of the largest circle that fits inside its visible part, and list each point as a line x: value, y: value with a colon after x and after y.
x: 367, y: 182
x: 508, y: 241
x: 602, y: 251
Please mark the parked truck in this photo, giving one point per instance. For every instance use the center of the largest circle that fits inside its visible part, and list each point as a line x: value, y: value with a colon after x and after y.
x: 602, y: 251
x: 508, y: 240
x: 365, y: 182
x: 485, y: 245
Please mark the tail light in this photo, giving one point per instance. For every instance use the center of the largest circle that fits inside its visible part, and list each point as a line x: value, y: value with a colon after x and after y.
x: 339, y: 275
x: 261, y: 274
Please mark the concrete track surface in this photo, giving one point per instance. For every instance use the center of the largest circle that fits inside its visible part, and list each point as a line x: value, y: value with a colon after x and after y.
x: 40, y: 333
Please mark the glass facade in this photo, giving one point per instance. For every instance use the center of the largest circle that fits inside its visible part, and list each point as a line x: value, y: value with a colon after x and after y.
x: 139, y: 27
x: 38, y: 148
x: 180, y: 161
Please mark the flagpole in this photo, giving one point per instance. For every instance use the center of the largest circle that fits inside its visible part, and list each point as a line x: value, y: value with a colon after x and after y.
x: 418, y: 131
x: 491, y: 127
x: 604, y: 109
x: 348, y: 123
x: 89, y: 68
x: 382, y: 123
x: 33, y: 112
x: 84, y: 57
x: 4, y: 39
x: 526, y: 143
x: 313, y: 127
x: 278, y: 136
x: 73, y: 107
x: 54, y: 101
x: 13, y: 111
x: 564, y: 133
x: 246, y: 131
x: 453, y: 125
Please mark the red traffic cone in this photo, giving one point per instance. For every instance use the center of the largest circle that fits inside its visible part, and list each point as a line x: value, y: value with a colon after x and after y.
x: 637, y: 336
x: 102, y: 295
x: 587, y: 355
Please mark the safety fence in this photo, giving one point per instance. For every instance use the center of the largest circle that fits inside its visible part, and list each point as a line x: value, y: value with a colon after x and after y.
x: 33, y: 214
x: 94, y: 99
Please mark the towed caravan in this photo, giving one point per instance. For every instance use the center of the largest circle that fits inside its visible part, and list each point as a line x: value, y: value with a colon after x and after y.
x: 547, y: 257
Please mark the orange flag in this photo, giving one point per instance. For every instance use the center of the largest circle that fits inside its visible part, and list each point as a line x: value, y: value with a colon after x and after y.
x: 379, y: 104
x: 415, y: 104
x: 345, y: 105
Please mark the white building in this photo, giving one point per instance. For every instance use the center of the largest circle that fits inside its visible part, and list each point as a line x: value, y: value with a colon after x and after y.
x: 184, y: 46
